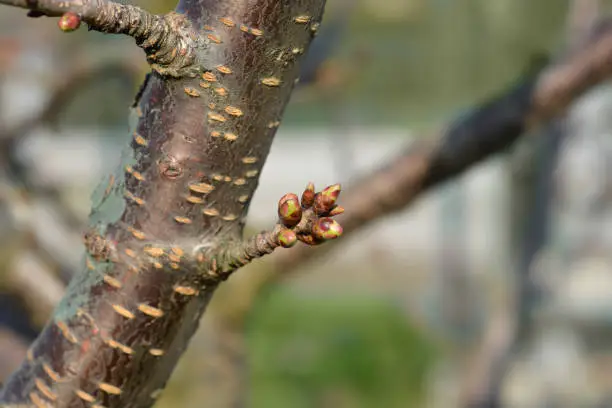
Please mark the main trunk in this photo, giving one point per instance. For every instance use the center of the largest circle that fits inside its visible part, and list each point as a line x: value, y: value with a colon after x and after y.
x: 196, y: 148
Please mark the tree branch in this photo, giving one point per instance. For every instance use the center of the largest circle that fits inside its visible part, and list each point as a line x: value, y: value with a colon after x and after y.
x: 180, y: 195
x: 169, y: 40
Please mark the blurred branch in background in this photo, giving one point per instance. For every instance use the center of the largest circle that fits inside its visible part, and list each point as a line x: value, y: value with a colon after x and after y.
x: 38, y: 267
x: 533, y: 192
x: 489, y: 130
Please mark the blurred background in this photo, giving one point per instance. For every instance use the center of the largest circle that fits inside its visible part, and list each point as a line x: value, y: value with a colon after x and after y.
x: 493, y: 290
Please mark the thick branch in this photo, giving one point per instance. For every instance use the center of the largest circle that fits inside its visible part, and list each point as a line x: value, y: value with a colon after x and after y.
x: 168, y: 40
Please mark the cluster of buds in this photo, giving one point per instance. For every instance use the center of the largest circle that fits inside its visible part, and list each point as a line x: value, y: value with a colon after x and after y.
x: 309, y: 219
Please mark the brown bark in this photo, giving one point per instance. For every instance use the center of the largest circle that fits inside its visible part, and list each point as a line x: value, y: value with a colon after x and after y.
x: 165, y: 226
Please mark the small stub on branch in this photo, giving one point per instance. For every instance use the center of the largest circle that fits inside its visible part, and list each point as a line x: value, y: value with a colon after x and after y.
x: 307, y: 219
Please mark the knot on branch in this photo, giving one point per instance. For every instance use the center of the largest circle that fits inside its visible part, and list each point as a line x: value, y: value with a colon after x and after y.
x: 168, y: 40
x: 171, y: 48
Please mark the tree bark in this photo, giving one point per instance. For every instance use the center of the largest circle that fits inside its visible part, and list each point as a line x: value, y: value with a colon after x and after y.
x: 165, y: 228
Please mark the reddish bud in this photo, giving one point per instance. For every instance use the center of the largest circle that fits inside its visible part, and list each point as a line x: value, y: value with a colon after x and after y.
x: 69, y: 22
x: 286, y: 238
x: 332, y: 192
x: 308, y: 196
x: 337, y: 210
x: 326, y: 229
x: 323, y: 204
x: 289, y: 210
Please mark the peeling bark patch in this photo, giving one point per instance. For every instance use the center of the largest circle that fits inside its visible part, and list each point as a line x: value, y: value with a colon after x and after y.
x: 230, y: 137
x: 120, y: 346
x: 115, y: 283
x: 154, y: 251
x: 37, y: 400
x: 53, y: 375
x: 44, y: 389
x: 227, y: 21
x: 192, y: 92
x: 133, y: 198
x: 202, y: 188
x: 122, y: 311
x: 137, y: 175
x: 211, y: 212
x: 186, y: 290
x: 303, y: 19
x: 182, y: 220
x: 214, y: 38
x: 137, y: 233
x: 150, y: 310
x: 141, y: 141
x: 234, y: 111
x: 224, y: 69
x: 194, y: 200
x: 216, y: 117
x: 85, y: 396
x: 68, y: 335
x: 249, y: 160
x: 109, y: 388
x: 156, y: 352
x: 209, y: 76
x: 271, y: 81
